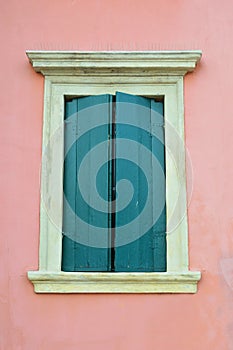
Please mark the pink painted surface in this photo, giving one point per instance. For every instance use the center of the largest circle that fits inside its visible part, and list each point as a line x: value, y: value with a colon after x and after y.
x: 133, y: 322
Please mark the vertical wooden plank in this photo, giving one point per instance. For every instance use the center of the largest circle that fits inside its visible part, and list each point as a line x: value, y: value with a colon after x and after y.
x: 69, y: 185
x: 134, y: 148
x: 158, y: 186
x: 81, y: 254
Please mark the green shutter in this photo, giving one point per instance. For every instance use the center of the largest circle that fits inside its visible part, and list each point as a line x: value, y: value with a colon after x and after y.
x: 144, y: 217
x: 80, y: 251
x: 130, y: 141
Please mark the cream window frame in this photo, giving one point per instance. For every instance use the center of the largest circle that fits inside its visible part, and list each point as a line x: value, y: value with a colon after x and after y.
x: 91, y: 73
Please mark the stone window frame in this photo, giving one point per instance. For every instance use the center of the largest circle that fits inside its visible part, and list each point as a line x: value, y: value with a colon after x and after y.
x: 151, y: 74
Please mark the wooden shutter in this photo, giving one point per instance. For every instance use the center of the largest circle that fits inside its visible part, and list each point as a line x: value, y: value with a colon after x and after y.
x: 130, y: 141
x: 136, y: 119
x: 82, y: 114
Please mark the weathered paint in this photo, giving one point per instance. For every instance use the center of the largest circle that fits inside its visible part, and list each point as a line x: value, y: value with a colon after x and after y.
x: 200, y: 321
x: 78, y: 143
x: 148, y: 251
x: 145, y: 251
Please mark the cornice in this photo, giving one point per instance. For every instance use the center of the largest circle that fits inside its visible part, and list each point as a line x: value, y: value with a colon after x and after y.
x: 112, y: 62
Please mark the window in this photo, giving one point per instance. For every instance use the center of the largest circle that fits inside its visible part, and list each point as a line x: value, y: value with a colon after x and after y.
x: 70, y: 75
x: 114, y: 142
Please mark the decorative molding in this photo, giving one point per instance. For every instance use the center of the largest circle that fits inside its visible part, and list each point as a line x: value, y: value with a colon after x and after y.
x: 112, y: 63
x: 89, y: 282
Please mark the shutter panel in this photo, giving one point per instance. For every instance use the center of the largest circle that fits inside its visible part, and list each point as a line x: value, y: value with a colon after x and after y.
x: 141, y: 219
x: 85, y: 249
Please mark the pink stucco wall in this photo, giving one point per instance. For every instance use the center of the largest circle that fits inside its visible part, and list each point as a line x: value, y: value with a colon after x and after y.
x: 113, y: 322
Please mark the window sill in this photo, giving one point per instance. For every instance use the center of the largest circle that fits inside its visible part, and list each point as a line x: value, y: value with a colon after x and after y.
x: 95, y: 282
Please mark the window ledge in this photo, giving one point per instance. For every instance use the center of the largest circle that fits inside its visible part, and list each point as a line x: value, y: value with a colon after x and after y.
x: 95, y: 282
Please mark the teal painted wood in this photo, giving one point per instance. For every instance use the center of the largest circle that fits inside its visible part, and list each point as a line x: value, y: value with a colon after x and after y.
x: 148, y: 252
x: 69, y: 186
x: 159, y: 188
x: 77, y: 256
x: 134, y: 154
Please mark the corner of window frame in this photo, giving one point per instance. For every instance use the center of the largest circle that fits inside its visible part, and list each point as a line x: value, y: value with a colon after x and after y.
x: 148, y: 73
